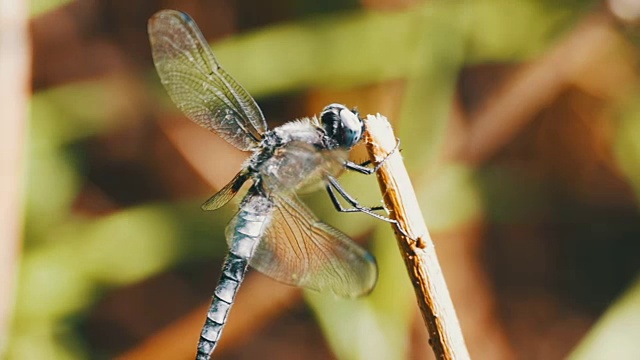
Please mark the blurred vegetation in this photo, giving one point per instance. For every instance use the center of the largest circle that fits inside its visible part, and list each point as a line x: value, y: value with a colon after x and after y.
x: 113, y: 225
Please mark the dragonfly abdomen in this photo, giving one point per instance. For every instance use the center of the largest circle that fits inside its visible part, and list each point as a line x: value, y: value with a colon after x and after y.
x: 244, y: 233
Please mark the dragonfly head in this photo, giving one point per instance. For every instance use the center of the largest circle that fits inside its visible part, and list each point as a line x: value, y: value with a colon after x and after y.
x: 342, y: 125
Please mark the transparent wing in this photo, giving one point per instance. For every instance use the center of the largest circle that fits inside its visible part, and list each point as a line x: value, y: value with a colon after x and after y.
x: 301, y: 167
x: 198, y: 85
x: 298, y: 249
x: 227, y: 193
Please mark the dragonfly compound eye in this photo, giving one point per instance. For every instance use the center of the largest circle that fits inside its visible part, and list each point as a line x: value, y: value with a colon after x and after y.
x: 342, y: 125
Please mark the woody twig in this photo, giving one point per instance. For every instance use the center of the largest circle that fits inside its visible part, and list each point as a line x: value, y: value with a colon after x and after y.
x: 416, y: 246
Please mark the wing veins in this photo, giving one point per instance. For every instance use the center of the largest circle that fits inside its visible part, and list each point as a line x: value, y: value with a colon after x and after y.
x: 191, y: 73
x: 207, y: 76
x: 216, y: 83
x: 298, y: 249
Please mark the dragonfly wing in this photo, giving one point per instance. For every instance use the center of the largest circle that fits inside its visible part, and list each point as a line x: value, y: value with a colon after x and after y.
x: 298, y: 249
x: 226, y: 193
x: 198, y: 85
x: 300, y: 167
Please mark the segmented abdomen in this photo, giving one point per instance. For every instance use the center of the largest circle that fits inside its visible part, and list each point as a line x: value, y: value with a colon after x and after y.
x: 243, y: 234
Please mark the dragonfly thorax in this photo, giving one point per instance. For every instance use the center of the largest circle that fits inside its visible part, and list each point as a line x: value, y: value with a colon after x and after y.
x: 342, y: 126
x: 293, y: 156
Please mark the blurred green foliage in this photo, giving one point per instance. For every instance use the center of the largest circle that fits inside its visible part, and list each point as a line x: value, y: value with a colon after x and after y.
x: 58, y: 120
x: 627, y: 148
x: 70, y: 261
x: 38, y: 7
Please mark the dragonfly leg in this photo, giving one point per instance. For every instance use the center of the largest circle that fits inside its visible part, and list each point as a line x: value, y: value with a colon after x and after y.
x: 362, y: 167
x: 356, y: 208
x: 334, y: 186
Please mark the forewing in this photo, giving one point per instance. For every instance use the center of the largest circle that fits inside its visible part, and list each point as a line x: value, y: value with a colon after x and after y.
x: 298, y: 249
x: 198, y: 85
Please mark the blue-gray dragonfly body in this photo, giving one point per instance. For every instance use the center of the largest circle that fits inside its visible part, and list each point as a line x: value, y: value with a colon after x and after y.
x: 273, y: 231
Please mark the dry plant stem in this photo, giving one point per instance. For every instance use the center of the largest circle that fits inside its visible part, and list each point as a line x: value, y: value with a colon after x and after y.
x: 417, y: 248
x: 14, y: 90
x: 536, y: 85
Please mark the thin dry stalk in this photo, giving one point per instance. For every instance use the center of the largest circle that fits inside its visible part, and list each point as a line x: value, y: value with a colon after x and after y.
x: 578, y: 58
x: 416, y: 246
x: 14, y: 92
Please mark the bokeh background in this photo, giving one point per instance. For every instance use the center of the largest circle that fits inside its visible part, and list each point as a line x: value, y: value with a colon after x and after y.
x: 520, y: 126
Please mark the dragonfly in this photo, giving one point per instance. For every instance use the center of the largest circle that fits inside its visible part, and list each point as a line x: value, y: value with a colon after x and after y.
x: 273, y: 231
